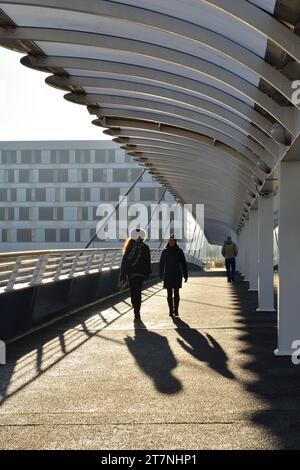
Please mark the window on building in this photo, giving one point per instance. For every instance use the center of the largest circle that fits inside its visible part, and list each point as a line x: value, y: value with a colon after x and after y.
x: 4, y: 237
x: 26, y: 157
x: 147, y: 194
x: 110, y: 156
x: 112, y: 194
x: 3, y: 194
x: 100, y: 156
x: 12, y: 195
x: 82, y: 156
x: 80, y: 235
x: 46, y: 213
x: 134, y: 173
x: 50, y: 235
x: 64, y: 235
x: 23, y: 176
x: 99, y: 175
x: 72, y: 194
x: 61, y: 175
x: 9, y: 157
x: 40, y: 194
x: 83, y: 175
x: 83, y: 213
x: 37, y: 157
x: 120, y: 175
x: 24, y: 235
x: 46, y: 175
x: 9, y: 176
x: 59, y: 157
x: 58, y: 213
x: 24, y: 213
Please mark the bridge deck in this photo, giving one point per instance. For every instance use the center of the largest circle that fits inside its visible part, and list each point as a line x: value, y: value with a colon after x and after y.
x: 206, y: 380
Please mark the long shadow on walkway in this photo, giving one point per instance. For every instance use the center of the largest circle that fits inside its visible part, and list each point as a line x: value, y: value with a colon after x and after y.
x: 276, y: 380
x: 30, y: 357
x: 204, y: 348
x: 155, y: 358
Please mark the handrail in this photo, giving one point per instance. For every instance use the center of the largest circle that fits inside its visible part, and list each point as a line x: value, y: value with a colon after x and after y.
x: 31, y: 268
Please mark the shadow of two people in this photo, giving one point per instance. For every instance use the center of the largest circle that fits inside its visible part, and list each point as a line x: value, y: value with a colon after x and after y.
x: 156, y: 359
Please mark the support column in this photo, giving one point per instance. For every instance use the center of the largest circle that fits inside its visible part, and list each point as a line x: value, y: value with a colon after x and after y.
x: 289, y: 257
x: 265, y: 255
x: 238, y: 261
x: 246, y: 252
x: 253, y: 250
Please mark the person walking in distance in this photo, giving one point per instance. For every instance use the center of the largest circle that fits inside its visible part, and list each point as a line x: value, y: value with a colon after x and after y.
x: 172, y: 268
x: 136, y: 267
x: 230, y: 251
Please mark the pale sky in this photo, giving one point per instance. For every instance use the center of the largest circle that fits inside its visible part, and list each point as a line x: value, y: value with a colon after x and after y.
x: 32, y: 110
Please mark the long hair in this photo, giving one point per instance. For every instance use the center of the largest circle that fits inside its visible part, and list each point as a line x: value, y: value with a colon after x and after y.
x: 168, y: 246
x: 128, y: 245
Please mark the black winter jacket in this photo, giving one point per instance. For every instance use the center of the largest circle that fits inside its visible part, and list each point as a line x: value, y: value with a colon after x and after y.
x: 136, y: 262
x: 172, y: 267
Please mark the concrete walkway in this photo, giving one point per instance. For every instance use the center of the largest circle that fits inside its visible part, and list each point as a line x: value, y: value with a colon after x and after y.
x: 208, y: 380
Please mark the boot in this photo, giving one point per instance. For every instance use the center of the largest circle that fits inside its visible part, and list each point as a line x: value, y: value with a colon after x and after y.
x: 171, y: 307
x: 176, y: 305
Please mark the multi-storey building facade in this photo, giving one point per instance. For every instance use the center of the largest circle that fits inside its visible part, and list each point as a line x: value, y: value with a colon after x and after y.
x: 50, y: 191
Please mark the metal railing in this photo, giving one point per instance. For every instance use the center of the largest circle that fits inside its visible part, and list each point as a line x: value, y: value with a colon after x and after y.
x: 32, y: 268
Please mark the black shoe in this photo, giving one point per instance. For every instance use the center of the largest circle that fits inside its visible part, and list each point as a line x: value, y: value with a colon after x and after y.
x: 170, y: 314
x: 176, y: 314
x: 228, y: 280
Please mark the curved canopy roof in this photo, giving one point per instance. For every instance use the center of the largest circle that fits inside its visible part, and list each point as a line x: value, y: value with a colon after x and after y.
x: 192, y: 88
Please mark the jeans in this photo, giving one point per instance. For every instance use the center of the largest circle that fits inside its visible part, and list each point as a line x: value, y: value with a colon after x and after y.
x: 135, y: 286
x: 173, y: 307
x: 230, y: 268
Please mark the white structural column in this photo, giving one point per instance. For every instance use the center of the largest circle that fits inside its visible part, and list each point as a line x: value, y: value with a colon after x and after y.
x: 265, y: 254
x: 239, y: 261
x: 246, y: 252
x: 289, y: 257
x: 253, y: 250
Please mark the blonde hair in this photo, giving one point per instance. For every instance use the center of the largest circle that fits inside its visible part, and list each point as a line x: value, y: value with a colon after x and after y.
x: 128, y: 245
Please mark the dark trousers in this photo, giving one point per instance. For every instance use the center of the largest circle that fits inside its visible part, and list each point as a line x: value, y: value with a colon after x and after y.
x: 173, y: 304
x: 135, y: 287
x: 230, y: 268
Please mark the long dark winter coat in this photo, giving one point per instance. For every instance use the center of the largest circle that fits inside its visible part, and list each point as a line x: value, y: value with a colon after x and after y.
x: 173, y: 267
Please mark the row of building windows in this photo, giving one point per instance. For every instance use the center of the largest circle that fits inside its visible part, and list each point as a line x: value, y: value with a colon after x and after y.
x: 64, y: 175
x: 76, y: 194
x: 51, y: 235
x: 48, y: 213
x: 36, y: 157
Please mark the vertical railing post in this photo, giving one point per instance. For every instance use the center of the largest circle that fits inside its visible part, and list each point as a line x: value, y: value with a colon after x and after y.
x: 102, y: 261
x: 38, y: 273
x: 89, y: 263
x: 59, y: 267
x: 13, y: 275
x: 74, y: 265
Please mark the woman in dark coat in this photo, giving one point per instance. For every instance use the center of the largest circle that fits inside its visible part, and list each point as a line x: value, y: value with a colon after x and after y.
x: 172, y: 268
x: 136, y: 267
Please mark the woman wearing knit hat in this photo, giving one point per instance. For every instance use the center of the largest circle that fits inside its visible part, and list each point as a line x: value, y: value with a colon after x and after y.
x: 172, y: 268
x: 136, y: 266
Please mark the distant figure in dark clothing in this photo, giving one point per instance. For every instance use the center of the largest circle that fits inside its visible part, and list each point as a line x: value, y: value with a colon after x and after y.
x: 230, y: 251
x: 172, y: 268
x: 136, y: 267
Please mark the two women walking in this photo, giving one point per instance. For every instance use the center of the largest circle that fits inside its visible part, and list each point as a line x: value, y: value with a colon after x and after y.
x: 136, y: 268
